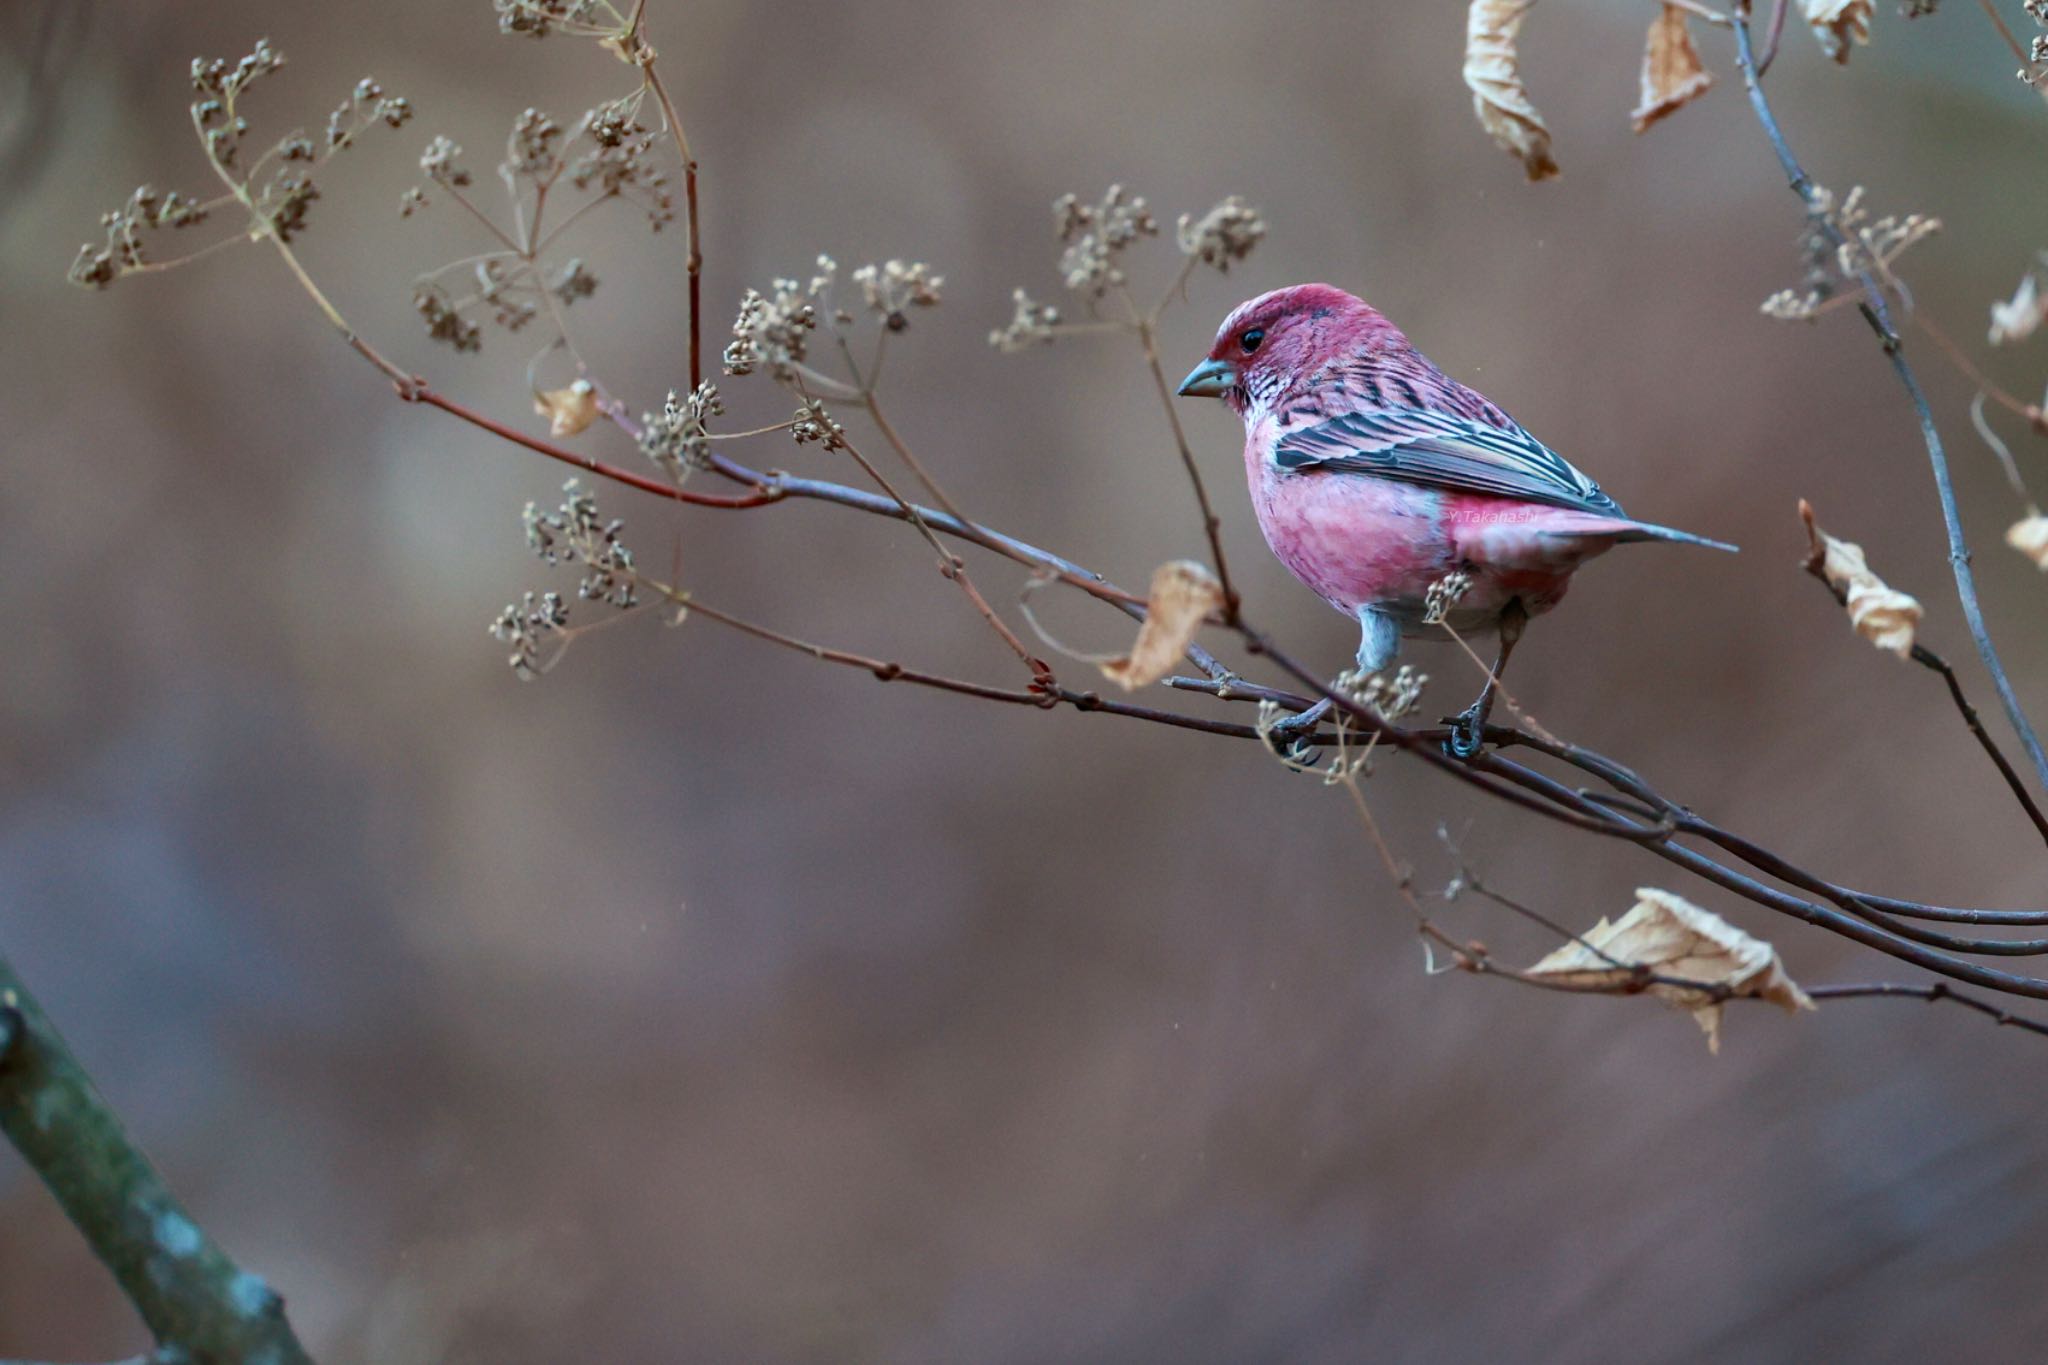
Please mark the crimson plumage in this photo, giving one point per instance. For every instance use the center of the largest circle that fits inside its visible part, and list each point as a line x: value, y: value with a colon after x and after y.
x: 1374, y: 474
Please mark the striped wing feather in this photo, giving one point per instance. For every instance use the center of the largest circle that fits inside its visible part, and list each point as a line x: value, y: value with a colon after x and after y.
x: 1443, y: 450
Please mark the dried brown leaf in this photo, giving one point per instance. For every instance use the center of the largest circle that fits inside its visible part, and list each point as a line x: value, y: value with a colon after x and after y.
x: 1881, y: 614
x: 568, y: 410
x: 1498, y: 95
x: 2029, y: 536
x: 1839, y: 24
x: 1183, y: 592
x: 1672, y: 937
x: 1673, y: 75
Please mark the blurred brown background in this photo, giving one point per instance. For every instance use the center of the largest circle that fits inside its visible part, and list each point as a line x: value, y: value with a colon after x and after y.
x: 699, y: 1002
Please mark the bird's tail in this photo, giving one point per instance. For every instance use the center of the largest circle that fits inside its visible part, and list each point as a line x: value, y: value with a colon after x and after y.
x: 1621, y: 530
x: 1643, y: 530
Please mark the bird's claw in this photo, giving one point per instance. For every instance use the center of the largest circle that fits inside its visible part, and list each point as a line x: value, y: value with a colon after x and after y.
x: 1288, y: 739
x: 1468, y: 732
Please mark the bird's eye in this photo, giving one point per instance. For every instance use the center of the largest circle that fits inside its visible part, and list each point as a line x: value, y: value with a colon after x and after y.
x: 1250, y: 340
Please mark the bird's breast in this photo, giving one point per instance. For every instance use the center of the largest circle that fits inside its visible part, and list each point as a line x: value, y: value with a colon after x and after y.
x: 1352, y: 540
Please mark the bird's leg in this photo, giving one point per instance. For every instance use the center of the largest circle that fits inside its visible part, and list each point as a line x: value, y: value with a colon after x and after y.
x: 1379, y: 640
x: 1468, y: 728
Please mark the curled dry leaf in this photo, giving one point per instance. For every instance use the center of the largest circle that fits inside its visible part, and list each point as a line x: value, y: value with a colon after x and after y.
x: 1498, y: 95
x: 1672, y: 937
x: 1673, y: 75
x: 2029, y: 536
x: 1838, y: 24
x: 1882, y: 615
x: 1183, y: 592
x: 569, y: 410
x: 2017, y: 318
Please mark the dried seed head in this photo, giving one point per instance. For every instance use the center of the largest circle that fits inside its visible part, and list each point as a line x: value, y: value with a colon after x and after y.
x: 524, y: 624
x: 675, y: 438
x: 771, y: 330
x: 1096, y: 236
x: 814, y: 424
x: 1031, y: 324
x: 1224, y: 234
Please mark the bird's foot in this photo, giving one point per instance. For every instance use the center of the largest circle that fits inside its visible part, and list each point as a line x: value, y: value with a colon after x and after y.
x: 1288, y: 738
x: 1468, y: 730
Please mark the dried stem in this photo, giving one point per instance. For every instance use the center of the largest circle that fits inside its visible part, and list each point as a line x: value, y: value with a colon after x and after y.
x: 692, y: 239
x: 1961, y: 360
x: 1212, y: 526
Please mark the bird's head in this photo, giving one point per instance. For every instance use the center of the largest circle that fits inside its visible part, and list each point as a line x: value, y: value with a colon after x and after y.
x: 1272, y: 343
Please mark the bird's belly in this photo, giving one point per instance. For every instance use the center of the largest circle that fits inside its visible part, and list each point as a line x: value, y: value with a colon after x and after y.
x: 1375, y: 542
x: 1355, y: 541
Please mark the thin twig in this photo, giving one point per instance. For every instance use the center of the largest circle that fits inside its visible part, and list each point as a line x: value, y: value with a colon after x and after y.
x: 2011, y: 41
x: 1960, y: 358
x: 693, y: 240
x: 1212, y: 525
x: 1777, y: 31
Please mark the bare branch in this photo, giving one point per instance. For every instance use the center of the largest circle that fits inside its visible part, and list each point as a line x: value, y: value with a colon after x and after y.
x: 197, y: 1303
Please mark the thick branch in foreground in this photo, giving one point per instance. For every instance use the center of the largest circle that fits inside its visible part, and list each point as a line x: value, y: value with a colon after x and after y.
x: 200, y: 1306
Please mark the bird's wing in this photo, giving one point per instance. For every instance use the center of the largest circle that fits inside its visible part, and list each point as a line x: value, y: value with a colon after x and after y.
x: 1442, y: 450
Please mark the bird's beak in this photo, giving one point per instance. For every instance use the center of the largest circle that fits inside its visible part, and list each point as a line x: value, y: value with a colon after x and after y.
x: 1210, y: 379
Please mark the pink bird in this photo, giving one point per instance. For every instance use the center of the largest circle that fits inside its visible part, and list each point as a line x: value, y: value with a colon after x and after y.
x: 1374, y: 475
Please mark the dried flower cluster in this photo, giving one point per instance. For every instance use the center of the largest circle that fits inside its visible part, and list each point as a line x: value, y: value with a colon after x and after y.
x: 123, y: 252
x: 218, y: 86
x: 1032, y: 324
x: 1224, y: 234
x: 1093, y: 240
x: 444, y: 321
x: 439, y: 165
x: 1096, y: 236
x: 676, y: 438
x: 577, y: 532
x: 606, y: 155
x: 891, y: 288
x: 773, y: 329
x: 1391, y: 697
x: 539, y: 18
x: 1869, y: 247
x: 277, y: 205
x: 524, y: 625
x: 1444, y: 594
x: 814, y: 425
x: 617, y: 161
x: 367, y: 104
